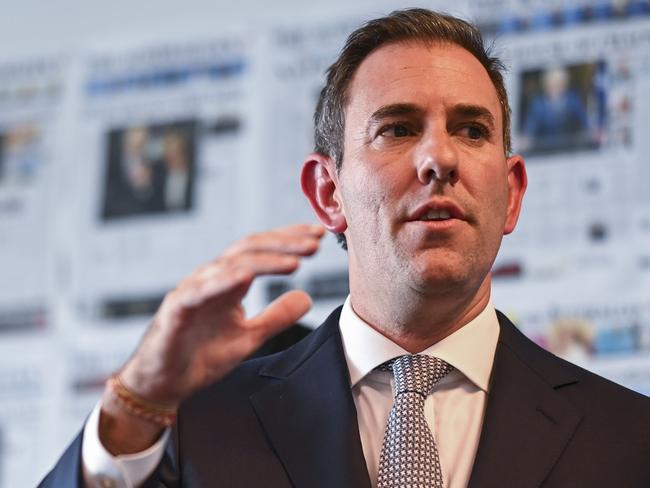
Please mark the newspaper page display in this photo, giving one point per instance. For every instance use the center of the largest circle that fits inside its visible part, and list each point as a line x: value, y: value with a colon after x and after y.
x: 160, y: 138
x: 574, y: 275
x: 163, y: 134
x: 32, y: 93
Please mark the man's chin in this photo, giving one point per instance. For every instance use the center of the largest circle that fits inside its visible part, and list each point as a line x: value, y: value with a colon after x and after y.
x: 438, y: 279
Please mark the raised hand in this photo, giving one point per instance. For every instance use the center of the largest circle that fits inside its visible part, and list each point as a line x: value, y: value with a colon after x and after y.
x: 201, y: 332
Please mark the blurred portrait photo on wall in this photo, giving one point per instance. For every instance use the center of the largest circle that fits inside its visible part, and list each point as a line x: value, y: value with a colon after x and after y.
x: 562, y: 109
x: 149, y: 170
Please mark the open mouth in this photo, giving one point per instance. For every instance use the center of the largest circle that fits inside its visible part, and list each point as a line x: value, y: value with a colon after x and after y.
x: 435, y: 215
x: 437, y: 211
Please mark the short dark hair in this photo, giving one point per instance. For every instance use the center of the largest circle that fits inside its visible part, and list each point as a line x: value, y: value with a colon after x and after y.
x: 416, y: 24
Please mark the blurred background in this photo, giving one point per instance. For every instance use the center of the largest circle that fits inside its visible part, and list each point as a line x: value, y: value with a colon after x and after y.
x: 137, y: 139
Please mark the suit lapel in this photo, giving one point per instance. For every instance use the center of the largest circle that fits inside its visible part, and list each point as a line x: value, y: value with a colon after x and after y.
x: 309, y: 416
x: 527, y: 424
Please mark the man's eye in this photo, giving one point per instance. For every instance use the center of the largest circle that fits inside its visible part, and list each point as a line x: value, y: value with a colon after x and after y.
x: 475, y: 132
x: 396, y: 130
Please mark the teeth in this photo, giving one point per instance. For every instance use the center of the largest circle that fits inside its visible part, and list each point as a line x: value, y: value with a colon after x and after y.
x: 436, y: 215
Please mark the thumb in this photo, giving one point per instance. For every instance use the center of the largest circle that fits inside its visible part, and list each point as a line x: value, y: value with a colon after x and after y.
x: 282, y: 312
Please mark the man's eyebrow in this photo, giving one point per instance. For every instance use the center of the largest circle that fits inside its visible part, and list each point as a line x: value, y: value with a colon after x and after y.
x: 394, y: 110
x: 474, y: 111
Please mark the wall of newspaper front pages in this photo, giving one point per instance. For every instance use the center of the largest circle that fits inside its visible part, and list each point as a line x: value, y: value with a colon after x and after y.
x: 92, y: 232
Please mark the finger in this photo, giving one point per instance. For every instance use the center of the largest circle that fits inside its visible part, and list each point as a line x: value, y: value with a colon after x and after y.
x: 277, y: 241
x: 231, y: 281
x: 228, y: 286
x: 281, y: 312
x: 278, y: 315
x: 299, y: 245
x: 254, y: 263
x: 315, y: 230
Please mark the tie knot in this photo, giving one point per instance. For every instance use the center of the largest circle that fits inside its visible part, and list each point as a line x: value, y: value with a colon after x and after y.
x: 416, y: 372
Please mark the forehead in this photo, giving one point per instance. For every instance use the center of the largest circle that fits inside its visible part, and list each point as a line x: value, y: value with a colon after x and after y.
x: 430, y: 75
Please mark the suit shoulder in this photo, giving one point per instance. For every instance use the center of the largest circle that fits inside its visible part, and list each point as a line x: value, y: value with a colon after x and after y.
x: 585, y: 388
x: 596, y: 393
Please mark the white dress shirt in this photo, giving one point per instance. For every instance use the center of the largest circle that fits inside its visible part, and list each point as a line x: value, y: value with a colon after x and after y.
x: 454, y: 409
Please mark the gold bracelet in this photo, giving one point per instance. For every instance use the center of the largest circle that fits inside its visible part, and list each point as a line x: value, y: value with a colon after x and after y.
x: 160, y: 414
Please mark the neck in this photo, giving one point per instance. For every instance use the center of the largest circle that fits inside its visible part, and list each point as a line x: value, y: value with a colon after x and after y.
x: 416, y: 321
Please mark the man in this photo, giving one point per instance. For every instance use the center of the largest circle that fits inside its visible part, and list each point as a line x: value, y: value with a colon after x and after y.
x: 412, y: 171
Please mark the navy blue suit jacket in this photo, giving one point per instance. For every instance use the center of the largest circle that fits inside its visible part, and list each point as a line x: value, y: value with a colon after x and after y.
x: 289, y: 420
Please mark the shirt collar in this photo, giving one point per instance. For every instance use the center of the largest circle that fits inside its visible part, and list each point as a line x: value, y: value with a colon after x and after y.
x: 470, y: 349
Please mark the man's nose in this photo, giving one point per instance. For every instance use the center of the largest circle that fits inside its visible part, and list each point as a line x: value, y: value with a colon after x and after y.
x: 437, y: 159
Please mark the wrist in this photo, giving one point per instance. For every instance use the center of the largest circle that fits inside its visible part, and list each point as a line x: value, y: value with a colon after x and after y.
x: 122, y: 430
x: 160, y: 413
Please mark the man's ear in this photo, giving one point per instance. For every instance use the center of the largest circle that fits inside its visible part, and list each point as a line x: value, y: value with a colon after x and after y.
x: 517, y: 182
x: 319, y: 181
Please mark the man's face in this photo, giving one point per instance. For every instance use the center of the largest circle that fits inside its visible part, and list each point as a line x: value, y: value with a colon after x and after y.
x: 425, y: 188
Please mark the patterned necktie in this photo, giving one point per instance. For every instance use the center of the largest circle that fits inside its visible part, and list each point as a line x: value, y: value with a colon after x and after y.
x: 409, y: 458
